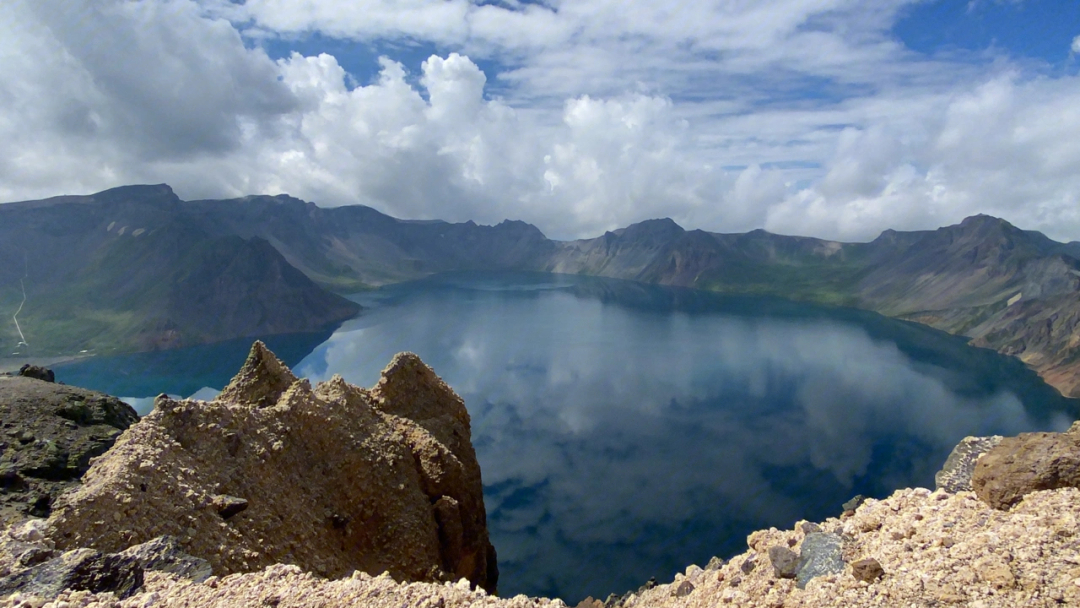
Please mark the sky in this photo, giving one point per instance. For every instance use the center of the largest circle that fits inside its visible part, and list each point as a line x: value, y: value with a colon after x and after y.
x: 829, y: 118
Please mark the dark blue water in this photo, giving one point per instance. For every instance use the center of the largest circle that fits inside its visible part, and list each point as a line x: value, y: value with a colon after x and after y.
x: 625, y: 431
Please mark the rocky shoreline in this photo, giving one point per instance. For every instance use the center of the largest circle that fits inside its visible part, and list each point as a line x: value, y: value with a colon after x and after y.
x: 282, y: 494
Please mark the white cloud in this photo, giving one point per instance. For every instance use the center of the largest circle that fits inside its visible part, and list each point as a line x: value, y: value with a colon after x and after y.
x: 806, y: 118
x: 1076, y: 45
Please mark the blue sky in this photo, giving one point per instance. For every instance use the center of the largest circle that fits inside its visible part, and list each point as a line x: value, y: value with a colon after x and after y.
x: 830, y: 118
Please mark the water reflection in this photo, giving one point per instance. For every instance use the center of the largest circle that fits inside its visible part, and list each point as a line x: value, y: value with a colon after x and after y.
x: 625, y: 431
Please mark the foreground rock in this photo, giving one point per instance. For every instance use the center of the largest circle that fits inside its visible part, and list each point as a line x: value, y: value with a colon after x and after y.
x: 1019, y: 465
x: 50, y: 432
x: 31, y: 567
x: 332, y: 479
x: 930, y: 549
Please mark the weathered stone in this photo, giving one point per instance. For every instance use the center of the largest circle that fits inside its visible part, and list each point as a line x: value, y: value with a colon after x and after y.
x: 868, y: 570
x: 784, y: 561
x: 52, y: 432
x: 77, y: 570
x: 335, y: 478
x: 821, y: 554
x: 748, y: 564
x: 164, y: 554
x: 715, y: 563
x: 955, y: 474
x: 1019, y: 465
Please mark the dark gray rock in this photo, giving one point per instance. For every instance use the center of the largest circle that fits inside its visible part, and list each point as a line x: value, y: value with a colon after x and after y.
x: 77, y: 570
x: 955, y: 474
x: 821, y: 555
x: 784, y: 561
x: 748, y: 565
x: 868, y: 570
x: 37, y: 372
x: 684, y: 589
x: 163, y: 554
x: 227, y: 506
x: 49, y: 434
x: 854, y: 503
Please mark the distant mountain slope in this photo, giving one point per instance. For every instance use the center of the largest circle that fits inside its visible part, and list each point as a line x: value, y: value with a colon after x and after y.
x: 125, y: 270
x: 350, y: 248
x: 147, y: 270
x: 1012, y: 290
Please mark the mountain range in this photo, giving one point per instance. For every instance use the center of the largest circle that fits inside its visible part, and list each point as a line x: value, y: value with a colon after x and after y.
x: 136, y: 268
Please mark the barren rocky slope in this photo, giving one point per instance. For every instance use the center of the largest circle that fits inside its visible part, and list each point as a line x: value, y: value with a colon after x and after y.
x: 915, y: 548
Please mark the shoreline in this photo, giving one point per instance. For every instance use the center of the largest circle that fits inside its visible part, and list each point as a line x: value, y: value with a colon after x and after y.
x: 13, y: 364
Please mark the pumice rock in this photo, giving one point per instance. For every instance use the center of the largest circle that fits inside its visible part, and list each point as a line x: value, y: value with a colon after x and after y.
x: 955, y: 474
x: 332, y: 479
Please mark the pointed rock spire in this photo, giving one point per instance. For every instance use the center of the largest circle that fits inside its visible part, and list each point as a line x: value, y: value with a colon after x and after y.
x: 261, y: 381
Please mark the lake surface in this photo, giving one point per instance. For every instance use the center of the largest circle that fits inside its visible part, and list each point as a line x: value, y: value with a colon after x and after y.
x: 626, y: 431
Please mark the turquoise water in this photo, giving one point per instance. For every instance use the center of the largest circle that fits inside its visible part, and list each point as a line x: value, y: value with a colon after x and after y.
x: 625, y: 431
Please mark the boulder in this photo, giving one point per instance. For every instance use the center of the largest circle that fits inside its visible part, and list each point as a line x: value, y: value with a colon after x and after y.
x: 49, y: 434
x: 1019, y: 465
x: 955, y: 474
x: 821, y: 554
x: 76, y: 570
x: 333, y: 479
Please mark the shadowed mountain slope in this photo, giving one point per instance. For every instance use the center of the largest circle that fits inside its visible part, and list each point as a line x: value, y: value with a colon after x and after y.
x: 126, y: 270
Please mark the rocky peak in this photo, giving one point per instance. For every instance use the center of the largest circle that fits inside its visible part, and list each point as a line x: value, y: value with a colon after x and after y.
x: 333, y: 479
x: 162, y: 193
x: 261, y: 381
x: 652, y: 231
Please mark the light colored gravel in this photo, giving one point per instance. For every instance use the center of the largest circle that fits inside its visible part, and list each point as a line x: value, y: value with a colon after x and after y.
x: 937, y: 549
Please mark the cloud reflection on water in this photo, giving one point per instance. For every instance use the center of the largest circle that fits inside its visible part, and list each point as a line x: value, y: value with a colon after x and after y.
x: 620, y: 440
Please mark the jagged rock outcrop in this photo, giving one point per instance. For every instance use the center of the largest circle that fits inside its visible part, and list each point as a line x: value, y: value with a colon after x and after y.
x: 332, y: 479
x: 1019, y: 465
x: 50, y: 432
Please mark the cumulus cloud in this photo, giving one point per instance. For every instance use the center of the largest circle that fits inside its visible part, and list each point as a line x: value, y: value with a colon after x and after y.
x: 1076, y: 46
x: 1006, y: 147
x: 807, y: 118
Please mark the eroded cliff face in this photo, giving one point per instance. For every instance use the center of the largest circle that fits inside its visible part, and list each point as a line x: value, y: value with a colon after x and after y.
x: 331, y: 479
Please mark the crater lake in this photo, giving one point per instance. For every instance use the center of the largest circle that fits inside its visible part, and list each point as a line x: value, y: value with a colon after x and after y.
x: 626, y: 430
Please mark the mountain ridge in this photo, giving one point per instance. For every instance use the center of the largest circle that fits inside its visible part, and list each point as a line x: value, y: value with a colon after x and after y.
x: 1013, y: 290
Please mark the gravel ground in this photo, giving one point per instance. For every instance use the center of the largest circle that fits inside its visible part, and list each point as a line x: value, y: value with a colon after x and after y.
x: 936, y: 549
